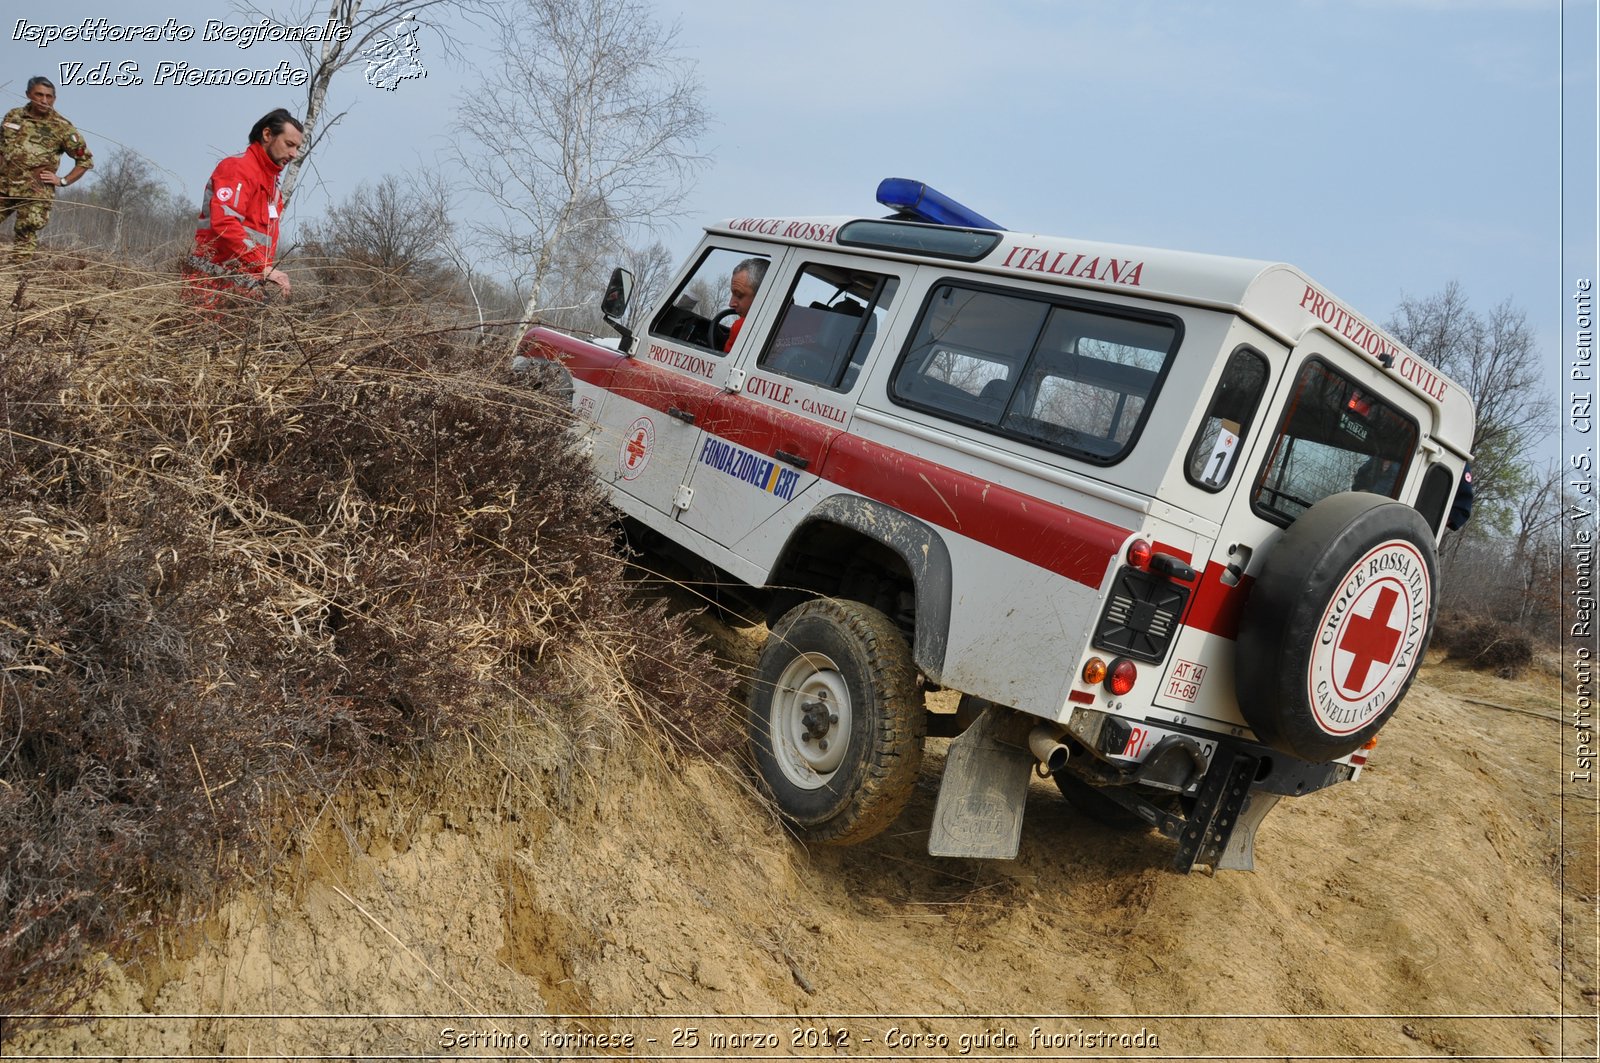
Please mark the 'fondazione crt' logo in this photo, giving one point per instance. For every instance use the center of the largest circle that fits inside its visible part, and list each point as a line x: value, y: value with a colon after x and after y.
x: 1367, y: 643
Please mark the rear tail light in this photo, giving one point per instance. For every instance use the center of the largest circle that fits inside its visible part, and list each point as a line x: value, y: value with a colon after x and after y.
x: 1139, y: 554
x: 1121, y: 676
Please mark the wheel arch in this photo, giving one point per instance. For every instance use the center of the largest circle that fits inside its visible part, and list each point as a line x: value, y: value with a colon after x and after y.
x: 918, y: 546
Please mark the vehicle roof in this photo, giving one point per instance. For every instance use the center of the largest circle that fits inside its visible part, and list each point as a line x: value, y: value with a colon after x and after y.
x: 1275, y: 296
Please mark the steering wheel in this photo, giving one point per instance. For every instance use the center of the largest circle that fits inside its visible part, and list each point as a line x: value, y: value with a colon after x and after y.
x: 716, y: 331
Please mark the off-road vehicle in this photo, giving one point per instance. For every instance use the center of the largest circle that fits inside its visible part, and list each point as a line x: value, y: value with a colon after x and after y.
x: 1167, y: 521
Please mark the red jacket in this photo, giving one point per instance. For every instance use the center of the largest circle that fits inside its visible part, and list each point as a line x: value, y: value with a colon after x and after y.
x: 238, y: 224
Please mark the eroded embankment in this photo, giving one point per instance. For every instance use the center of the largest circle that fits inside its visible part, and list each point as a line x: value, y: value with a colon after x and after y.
x: 515, y: 881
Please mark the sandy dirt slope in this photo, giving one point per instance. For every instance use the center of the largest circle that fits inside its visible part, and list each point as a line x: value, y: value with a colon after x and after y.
x: 1417, y: 913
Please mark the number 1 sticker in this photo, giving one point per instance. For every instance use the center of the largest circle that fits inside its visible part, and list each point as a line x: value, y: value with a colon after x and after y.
x: 1222, y: 454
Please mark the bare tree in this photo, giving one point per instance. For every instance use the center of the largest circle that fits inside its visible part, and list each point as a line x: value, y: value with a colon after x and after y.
x: 1521, y: 577
x: 1495, y: 358
x: 571, y: 280
x: 591, y: 117
x: 1537, y: 548
x: 1507, y: 564
x: 128, y: 207
x: 376, y: 28
x: 385, y: 237
x: 652, y: 272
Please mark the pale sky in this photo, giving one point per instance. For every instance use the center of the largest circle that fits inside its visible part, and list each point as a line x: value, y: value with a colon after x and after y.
x: 1385, y: 146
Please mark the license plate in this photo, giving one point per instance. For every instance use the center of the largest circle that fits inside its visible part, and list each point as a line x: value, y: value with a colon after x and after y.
x: 1144, y: 737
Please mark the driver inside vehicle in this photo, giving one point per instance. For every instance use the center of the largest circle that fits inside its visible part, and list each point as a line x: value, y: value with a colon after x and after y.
x: 745, y: 283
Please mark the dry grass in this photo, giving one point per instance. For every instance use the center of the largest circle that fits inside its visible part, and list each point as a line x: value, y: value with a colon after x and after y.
x: 1484, y: 644
x: 245, y: 558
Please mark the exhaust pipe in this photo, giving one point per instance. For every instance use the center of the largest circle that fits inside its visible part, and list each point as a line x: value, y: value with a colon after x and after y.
x: 1044, y: 742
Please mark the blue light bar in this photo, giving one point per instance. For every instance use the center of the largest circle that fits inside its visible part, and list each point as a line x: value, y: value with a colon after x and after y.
x: 916, y: 200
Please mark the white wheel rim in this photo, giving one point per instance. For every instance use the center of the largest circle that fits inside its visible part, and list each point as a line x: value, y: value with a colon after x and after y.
x: 810, y: 720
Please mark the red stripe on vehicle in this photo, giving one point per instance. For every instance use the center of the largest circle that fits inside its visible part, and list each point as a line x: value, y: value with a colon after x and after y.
x: 1215, y: 606
x: 1076, y: 546
x: 591, y: 364
x: 767, y: 429
x: 1061, y: 540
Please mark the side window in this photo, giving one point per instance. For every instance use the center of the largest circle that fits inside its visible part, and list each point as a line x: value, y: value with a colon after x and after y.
x: 1059, y: 375
x: 708, y: 309
x: 1334, y: 437
x: 828, y: 325
x: 1435, y: 493
x: 1228, y: 420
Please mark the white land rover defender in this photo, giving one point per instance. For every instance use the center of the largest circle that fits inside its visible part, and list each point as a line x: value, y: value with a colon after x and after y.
x: 1166, y: 520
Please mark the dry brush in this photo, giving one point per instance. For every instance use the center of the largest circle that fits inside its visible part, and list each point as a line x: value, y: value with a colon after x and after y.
x: 243, y: 559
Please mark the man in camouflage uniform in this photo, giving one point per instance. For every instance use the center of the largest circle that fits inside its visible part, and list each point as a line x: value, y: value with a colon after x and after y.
x: 32, y: 140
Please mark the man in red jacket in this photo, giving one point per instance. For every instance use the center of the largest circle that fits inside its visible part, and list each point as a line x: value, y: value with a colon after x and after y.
x: 237, y: 235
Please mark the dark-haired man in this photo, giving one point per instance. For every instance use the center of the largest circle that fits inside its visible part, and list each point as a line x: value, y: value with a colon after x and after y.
x: 32, y: 140
x: 237, y: 236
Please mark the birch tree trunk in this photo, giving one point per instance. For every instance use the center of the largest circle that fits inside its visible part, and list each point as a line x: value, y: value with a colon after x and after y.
x: 329, y: 62
x: 590, y: 116
x: 370, y: 24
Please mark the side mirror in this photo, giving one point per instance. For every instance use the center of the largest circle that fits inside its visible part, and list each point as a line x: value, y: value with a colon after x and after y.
x: 618, y: 291
x: 615, y: 302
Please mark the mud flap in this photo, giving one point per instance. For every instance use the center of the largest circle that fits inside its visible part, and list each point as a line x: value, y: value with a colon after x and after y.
x: 1240, y: 855
x: 984, y: 789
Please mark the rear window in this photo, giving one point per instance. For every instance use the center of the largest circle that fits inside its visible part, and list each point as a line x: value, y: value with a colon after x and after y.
x: 1066, y: 376
x: 1228, y: 420
x: 1335, y: 436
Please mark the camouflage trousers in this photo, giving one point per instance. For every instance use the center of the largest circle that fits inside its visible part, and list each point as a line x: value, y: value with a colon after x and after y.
x: 33, y: 212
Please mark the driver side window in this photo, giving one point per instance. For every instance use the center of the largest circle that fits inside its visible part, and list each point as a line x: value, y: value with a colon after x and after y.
x: 707, y: 309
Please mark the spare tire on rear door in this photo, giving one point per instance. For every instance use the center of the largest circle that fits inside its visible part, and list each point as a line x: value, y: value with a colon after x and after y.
x: 1335, y: 627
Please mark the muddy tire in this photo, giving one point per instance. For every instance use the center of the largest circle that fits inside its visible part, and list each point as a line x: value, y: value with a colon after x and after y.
x: 836, y: 723
x: 1336, y: 626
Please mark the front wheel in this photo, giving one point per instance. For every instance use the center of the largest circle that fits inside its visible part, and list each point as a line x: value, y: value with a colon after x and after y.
x: 836, y: 723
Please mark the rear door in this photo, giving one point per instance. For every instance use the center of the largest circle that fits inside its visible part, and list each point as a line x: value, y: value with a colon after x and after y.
x: 1332, y: 423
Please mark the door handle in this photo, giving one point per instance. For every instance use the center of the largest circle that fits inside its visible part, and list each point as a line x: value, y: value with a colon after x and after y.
x: 683, y: 415
x: 791, y: 459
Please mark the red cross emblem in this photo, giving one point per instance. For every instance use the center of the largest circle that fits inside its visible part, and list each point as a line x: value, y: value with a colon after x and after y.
x: 636, y: 448
x: 1370, y: 640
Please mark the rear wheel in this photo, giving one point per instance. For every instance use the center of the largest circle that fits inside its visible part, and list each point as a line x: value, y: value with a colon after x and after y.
x: 1092, y: 802
x: 836, y: 722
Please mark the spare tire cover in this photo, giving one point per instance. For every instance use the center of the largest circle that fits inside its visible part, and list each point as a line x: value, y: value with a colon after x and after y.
x: 1336, y: 625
